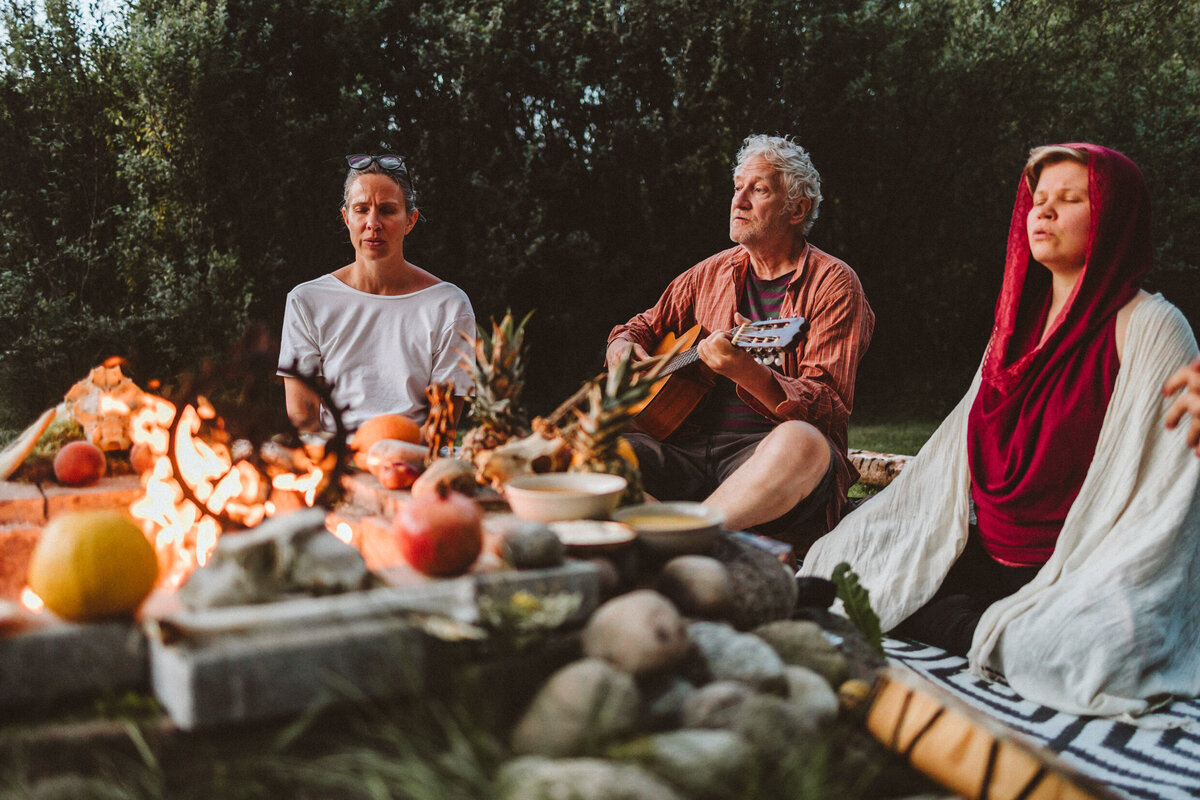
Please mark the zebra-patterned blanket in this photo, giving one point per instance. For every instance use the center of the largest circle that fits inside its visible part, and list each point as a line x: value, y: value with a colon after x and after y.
x: 1133, y: 761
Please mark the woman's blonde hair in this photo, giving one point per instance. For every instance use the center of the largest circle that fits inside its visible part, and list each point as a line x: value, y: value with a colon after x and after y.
x: 1042, y: 157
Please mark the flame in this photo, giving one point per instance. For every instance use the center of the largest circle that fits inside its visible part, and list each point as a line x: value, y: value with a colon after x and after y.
x: 185, y: 534
x: 306, y: 484
x: 111, y: 405
x: 31, y: 601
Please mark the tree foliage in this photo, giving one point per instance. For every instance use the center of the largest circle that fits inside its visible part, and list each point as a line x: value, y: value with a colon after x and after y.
x: 171, y: 173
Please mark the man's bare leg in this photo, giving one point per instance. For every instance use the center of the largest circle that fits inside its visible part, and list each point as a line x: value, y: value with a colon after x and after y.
x: 786, y: 467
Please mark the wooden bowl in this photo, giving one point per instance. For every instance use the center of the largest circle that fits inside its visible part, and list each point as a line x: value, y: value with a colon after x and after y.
x: 556, y: 496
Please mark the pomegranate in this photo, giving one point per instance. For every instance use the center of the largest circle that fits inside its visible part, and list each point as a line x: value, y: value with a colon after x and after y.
x: 440, y: 534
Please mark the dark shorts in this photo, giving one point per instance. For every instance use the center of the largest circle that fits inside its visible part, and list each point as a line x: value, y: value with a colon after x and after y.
x: 691, y: 467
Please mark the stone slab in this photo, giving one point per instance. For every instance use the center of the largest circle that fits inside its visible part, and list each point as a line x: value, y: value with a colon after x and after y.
x: 243, y: 677
x: 52, y: 660
x: 246, y: 663
x: 118, y: 492
x: 22, y: 502
x: 17, y: 541
x: 573, y: 577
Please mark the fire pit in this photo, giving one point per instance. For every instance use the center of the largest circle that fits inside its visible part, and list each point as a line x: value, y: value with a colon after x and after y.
x: 221, y: 665
x: 242, y: 663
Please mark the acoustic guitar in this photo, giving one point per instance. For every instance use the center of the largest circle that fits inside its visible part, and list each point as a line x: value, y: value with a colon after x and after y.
x: 679, y: 390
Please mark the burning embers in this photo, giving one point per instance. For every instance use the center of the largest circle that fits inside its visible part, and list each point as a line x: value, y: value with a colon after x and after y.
x: 201, y: 485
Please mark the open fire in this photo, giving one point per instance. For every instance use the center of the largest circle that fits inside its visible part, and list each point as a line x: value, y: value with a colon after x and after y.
x: 203, y: 488
x: 200, y: 484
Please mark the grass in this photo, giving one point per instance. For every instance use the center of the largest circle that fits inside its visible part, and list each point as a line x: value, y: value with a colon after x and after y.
x: 904, y: 437
x: 425, y: 749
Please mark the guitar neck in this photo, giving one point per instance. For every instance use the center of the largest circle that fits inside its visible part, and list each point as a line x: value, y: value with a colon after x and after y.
x: 681, y: 360
x: 688, y: 357
x: 765, y: 337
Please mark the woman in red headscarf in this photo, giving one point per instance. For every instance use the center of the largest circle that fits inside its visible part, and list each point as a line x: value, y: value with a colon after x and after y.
x: 1050, y: 528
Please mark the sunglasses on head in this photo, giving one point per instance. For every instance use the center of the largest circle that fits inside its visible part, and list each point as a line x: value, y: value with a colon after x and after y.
x: 389, y: 162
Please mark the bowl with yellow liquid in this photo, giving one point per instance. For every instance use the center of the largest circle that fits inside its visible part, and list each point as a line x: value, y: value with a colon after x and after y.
x: 673, y: 529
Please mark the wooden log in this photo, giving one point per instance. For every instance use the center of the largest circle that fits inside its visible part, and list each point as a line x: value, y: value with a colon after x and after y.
x: 966, y: 751
x: 877, y: 470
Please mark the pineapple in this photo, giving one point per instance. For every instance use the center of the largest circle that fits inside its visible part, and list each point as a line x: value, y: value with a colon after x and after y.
x: 596, y: 434
x: 499, y: 372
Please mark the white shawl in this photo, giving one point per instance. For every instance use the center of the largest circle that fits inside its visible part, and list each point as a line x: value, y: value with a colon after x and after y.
x: 1111, y: 623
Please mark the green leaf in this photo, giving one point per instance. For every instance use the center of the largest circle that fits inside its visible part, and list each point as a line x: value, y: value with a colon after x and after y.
x: 857, y: 602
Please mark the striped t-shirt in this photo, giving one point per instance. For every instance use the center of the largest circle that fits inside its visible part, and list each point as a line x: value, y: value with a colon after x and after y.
x: 722, y: 411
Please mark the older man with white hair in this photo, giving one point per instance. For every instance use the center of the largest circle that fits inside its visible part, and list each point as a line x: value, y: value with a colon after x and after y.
x: 767, y: 444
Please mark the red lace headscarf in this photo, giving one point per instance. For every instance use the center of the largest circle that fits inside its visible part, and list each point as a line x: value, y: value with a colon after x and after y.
x: 1032, y: 430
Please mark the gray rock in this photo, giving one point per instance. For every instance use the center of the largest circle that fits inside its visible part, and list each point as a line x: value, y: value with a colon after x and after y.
x: 764, y: 590
x: 717, y: 705
x: 324, y: 564
x: 531, y: 545
x: 862, y: 660
x: 665, y: 700
x: 699, y: 586
x: 533, y: 778
x: 809, y: 692
x: 805, y: 644
x: 703, y: 763
x: 640, y: 632
x: 774, y: 726
x: 725, y: 654
x: 581, y: 707
x: 286, y: 555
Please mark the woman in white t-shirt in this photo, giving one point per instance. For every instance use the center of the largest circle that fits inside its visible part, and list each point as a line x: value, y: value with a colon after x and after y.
x: 380, y: 329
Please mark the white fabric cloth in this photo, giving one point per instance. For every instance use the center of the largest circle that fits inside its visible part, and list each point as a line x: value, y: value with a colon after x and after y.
x: 1112, y: 620
x: 379, y: 352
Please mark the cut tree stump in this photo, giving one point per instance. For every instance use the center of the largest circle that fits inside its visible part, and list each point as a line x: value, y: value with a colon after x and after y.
x: 877, y: 470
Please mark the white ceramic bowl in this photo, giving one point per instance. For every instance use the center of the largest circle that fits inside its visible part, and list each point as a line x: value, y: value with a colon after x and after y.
x: 672, y: 529
x: 556, y: 496
x: 590, y: 537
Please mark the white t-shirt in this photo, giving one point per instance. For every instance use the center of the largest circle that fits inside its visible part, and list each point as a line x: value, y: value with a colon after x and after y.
x: 378, y: 351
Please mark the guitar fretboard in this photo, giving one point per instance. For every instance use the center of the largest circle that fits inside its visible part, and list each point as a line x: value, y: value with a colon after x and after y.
x: 681, y: 360
x: 752, y: 336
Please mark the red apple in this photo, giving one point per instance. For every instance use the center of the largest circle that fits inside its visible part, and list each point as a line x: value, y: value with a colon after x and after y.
x: 441, y: 534
x: 79, y: 464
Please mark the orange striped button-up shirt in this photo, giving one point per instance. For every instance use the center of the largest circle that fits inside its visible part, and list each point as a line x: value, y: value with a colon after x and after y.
x: 817, y: 376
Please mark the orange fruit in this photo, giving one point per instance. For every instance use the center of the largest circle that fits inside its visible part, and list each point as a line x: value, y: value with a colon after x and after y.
x: 92, y: 564
x: 385, y: 426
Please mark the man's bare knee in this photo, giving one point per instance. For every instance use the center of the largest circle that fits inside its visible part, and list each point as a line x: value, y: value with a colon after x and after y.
x: 797, y: 447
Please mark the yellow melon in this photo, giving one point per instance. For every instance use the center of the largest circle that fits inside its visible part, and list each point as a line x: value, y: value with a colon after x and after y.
x: 384, y: 426
x: 92, y: 564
